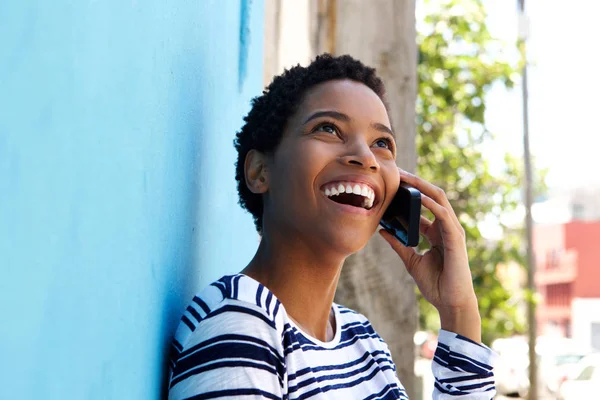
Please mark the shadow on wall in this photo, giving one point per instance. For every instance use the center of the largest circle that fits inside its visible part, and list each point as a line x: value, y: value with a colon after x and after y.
x: 184, y: 269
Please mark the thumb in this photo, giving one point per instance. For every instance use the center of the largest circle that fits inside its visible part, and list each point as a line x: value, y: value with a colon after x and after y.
x: 407, y: 254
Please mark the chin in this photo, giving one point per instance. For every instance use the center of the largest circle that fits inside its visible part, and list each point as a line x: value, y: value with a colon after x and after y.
x: 347, y: 241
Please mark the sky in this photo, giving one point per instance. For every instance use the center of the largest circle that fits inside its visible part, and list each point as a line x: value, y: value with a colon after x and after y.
x: 564, y: 89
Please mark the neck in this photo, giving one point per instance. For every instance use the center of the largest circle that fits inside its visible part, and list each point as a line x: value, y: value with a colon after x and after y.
x: 304, y: 280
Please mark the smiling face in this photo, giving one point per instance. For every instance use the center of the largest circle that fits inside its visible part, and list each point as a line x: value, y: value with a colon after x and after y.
x: 334, y: 172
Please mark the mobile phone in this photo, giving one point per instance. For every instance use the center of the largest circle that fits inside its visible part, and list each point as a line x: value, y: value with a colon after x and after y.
x: 403, y: 215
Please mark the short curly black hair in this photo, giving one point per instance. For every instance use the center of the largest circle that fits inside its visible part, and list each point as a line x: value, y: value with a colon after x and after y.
x: 264, y: 125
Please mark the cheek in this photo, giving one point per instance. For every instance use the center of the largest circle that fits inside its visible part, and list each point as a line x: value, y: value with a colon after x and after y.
x: 293, y: 175
x: 391, y: 177
x: 304, y: 160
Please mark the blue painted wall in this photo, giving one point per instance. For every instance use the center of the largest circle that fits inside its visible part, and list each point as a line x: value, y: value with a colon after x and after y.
x: 117, y: 196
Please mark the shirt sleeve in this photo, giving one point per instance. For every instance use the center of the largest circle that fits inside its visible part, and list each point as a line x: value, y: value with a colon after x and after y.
x: 463, y: 369
x: 235, y: 352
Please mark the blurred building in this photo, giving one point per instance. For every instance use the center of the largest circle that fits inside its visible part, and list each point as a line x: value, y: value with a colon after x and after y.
x: 566, y: 204
x: 568, y: 277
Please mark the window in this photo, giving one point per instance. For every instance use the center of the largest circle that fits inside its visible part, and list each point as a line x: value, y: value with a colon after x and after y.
x: 553, y: 258
x: 578, y: 211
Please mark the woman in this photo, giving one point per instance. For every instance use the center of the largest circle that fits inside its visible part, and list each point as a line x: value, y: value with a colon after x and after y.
x: 316, y: 169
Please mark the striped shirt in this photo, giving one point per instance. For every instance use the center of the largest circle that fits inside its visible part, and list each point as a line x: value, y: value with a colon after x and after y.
x: 235, y: 340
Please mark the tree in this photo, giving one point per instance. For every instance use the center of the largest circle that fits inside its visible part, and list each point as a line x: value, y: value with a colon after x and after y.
x: 459, y: 61
x: 381, y: 33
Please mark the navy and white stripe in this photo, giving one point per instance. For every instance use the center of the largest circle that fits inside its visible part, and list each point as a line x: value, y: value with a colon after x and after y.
x: 463, y: 368
x: 235, y: 340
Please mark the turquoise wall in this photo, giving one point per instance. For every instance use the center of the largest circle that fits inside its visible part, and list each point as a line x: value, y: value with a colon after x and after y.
x: 117, y: 192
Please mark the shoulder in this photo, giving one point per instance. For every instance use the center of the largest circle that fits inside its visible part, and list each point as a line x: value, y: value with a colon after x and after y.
x: 225, y: 329
x: 228, y: 305
x: 234, y: 303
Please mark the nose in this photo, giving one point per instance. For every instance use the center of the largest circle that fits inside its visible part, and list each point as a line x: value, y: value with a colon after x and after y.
x: 360, y: 155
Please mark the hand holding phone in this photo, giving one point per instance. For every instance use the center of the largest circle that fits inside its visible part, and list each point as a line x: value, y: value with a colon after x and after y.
x: 441, y: 273
x: 403, y: 215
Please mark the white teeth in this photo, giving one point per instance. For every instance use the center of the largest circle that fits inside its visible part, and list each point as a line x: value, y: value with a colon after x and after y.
x: 354, y: 188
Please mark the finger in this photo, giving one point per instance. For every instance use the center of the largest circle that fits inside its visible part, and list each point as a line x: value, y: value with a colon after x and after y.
x: 429, y: 189
x: 424, y: 225
x: 408, y: 255
x: 455, y: 221
x: 433, y: 236
x: 425, y: 187
x: 432, y: 191
x: 442, y: 214
x: 453, y: 218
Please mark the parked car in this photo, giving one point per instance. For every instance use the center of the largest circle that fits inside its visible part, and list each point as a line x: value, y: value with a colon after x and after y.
x: 556, y: 357
x: 555, y: 369
x: 583, y: 381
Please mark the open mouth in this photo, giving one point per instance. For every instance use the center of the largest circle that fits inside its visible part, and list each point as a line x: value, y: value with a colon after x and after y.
x: 350, y: 193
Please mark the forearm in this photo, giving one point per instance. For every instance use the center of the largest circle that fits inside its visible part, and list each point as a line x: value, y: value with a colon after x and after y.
x: 465, y: 321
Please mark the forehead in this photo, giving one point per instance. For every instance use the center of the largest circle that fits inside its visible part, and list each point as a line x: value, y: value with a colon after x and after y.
x: 353, y: 98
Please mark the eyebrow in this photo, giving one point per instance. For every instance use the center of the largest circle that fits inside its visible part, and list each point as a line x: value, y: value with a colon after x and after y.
x: 343, y: 117
x: 383, y: 128
x: 333, y: 114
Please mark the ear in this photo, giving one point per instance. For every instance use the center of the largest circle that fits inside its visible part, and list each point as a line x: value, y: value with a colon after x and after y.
x: 255, y: 171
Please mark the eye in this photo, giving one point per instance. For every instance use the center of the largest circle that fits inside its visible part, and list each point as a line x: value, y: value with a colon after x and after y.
x: 327, y: 127
x: 384, y: 143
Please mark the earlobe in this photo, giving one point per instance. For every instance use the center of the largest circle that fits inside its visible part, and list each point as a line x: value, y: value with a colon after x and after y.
x: 255, y: 170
